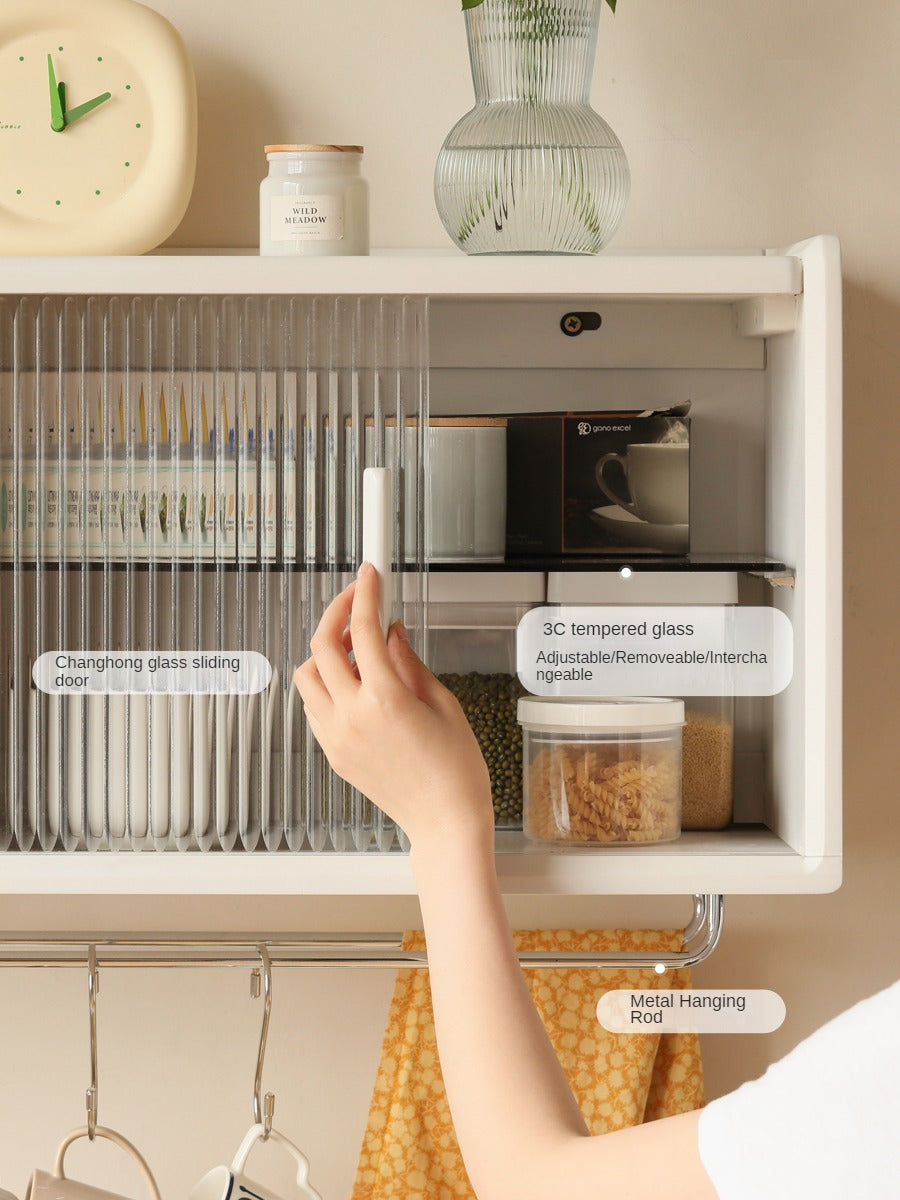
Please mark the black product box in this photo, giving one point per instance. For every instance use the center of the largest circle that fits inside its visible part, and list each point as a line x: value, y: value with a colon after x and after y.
x: 597, y: 483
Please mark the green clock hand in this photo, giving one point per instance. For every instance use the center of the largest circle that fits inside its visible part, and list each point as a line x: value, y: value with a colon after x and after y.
x: 81, y: 110
x: 57, y: 117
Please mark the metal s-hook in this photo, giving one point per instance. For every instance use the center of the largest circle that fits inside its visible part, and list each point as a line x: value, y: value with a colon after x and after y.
x: 91, y: 1095
x: 263, y: 1113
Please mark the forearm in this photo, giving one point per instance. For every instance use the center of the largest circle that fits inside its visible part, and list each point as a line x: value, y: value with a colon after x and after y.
x: 511, y: 1103
x: 520, y: 1131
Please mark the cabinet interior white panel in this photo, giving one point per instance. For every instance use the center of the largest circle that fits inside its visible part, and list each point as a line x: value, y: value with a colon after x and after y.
x: 648, y: 333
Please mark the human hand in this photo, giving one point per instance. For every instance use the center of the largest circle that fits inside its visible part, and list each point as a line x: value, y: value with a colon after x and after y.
x: 388, y: 727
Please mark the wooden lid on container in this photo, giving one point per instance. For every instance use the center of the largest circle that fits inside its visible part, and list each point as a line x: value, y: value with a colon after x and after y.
x: 315, y: 148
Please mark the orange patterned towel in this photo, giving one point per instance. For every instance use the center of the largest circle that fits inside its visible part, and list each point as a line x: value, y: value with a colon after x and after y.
x: 409, y: 1149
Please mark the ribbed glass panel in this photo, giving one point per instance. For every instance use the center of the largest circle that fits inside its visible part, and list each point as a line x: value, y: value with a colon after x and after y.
x: 183, y: 476
x: 532, y: 168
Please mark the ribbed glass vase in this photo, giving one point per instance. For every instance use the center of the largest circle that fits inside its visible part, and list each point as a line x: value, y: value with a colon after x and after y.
x: 532, y: 169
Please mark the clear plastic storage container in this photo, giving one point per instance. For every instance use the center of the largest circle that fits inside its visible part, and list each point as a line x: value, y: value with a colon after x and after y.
x: 472, y: 650
x: 471, y: 623
x: 603, y: 771
x: 707, y: 762
x: 707, y: 778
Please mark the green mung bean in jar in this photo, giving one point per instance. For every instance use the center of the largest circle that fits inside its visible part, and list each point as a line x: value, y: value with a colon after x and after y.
x: 489, y: 703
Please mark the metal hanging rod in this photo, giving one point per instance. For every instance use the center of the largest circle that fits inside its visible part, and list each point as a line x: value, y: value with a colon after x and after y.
x: 701, y: 936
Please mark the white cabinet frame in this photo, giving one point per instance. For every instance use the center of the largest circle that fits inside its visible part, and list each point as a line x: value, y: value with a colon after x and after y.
x: 791, y: 299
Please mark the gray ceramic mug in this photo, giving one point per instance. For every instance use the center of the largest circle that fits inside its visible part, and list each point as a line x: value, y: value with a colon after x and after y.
x: 658, y: 479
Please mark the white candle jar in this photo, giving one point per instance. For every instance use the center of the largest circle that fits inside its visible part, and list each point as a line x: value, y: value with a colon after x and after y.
x: 314, y: 202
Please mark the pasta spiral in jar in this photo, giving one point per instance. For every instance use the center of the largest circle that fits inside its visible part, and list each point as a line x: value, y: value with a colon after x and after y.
x: 602, y: 772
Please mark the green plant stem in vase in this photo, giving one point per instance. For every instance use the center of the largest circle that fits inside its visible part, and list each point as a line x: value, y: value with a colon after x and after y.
x: 531, y: 169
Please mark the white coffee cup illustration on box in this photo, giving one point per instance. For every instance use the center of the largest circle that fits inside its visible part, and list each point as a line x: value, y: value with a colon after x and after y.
x: 658, y: 480
x: 230, y: 1183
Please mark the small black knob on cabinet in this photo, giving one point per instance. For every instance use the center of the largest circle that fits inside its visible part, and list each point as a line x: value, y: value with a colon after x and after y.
x: 574, y: 323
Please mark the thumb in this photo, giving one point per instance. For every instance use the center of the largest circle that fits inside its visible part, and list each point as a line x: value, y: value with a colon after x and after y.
x: 410, y: 669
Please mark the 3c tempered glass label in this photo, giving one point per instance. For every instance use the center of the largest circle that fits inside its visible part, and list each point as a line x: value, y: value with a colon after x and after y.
x: 700, y: 650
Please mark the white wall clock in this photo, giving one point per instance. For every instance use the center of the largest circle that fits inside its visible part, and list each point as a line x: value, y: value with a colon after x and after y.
x: 98, y: 127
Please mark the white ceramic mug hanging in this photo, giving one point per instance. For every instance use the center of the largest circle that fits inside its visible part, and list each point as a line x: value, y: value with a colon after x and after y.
x: 222, y: 1183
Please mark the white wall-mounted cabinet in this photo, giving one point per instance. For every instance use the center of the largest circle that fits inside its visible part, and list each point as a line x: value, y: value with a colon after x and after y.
x: 754, y: 341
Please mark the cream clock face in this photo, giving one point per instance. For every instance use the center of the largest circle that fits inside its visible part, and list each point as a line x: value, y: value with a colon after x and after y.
x: 97, y: 127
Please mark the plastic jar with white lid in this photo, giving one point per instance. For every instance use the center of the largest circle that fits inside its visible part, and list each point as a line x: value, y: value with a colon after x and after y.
x: 709, y: 739
x: 314, y: 202
x: 598, y: 772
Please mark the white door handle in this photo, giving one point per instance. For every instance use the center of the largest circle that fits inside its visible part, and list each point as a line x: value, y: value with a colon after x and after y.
x: 377, y: 539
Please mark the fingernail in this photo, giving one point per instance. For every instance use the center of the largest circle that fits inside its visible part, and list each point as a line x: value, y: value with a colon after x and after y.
x: 401, y: 631
x: 364, y: 569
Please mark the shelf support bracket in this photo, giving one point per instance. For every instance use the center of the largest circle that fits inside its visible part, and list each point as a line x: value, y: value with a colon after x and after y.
x: 764, y: 316
x: 776, y: 579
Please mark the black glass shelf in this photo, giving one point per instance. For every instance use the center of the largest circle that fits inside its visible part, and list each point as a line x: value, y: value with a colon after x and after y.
x: 617, y: 563
x: 674, y: 563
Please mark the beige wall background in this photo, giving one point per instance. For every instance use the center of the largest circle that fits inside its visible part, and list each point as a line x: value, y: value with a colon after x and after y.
x: 746, y: 125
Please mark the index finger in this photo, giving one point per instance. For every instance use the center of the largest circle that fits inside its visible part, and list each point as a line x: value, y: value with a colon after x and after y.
x: 329, y: 651
x: 369, y: 642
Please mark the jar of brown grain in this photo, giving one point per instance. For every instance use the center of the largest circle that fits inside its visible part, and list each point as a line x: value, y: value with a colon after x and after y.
x: 707, y: 762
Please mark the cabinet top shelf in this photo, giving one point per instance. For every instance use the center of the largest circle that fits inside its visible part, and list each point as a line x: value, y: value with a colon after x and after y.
x: 436, y: 273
